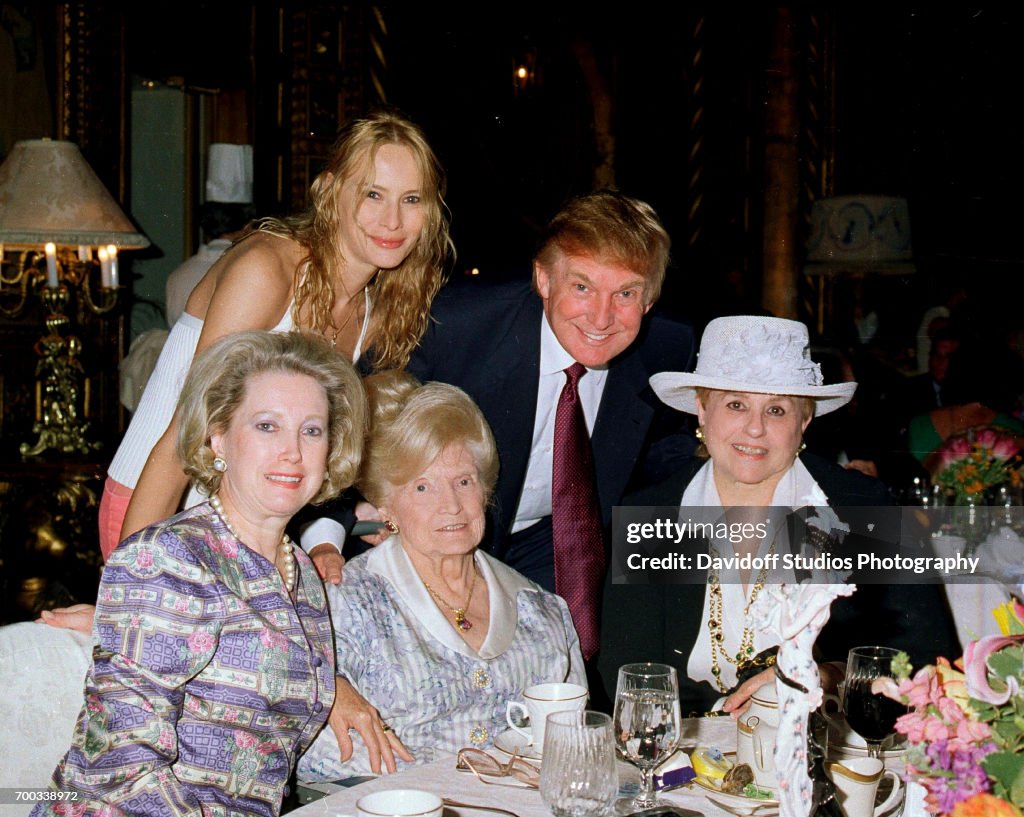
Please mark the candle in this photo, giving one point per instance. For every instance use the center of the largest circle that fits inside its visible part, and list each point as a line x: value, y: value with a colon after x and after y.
x: 112, y: 261
x: 104, y: 268
x: 84, y: 253
x: 51, y: 266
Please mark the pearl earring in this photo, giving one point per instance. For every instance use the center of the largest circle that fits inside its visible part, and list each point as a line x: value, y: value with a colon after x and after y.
x: 220, y: 464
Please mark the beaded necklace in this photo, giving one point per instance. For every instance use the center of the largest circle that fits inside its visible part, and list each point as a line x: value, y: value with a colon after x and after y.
x: 746, y: 647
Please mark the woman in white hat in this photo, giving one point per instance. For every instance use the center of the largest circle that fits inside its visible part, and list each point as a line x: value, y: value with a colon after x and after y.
x: 755, y: 390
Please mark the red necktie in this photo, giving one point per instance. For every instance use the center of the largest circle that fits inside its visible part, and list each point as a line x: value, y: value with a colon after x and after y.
x: 575, y: 515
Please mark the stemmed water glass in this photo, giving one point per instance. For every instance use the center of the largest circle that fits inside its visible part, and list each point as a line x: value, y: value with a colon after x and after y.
x: 871, y: 715
x: 577, y: 777
x: 647, y: 722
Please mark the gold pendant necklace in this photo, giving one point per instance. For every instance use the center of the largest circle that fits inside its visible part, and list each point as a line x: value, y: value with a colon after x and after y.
x: 458, y: 613
x: 715, y: 623
x: 336, y: 330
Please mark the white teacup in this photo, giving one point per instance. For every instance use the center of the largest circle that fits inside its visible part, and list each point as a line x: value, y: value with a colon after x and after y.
x: 755, y: 736
x: 856, y: 781
x: 539, y: 701
x: 400, y: 803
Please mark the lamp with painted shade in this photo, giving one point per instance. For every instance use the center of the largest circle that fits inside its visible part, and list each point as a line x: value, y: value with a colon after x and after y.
x: 54, y: 211
x: 852, y: 238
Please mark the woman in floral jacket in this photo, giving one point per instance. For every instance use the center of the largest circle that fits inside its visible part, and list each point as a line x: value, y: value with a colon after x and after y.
x: 215, y: 662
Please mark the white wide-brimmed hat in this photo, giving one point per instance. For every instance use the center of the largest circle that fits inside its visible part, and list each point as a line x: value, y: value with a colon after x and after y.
x: 750, y: 353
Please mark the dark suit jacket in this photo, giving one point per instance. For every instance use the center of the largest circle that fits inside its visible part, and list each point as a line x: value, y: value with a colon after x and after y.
x: 660, y: 622
x: 486, y: 341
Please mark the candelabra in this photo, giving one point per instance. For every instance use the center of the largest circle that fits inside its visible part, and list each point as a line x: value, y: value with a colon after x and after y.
x: 51, y: 199
x: 62, y: 389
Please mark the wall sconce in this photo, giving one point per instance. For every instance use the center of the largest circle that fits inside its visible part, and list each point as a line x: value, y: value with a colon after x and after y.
x: 54, y: 212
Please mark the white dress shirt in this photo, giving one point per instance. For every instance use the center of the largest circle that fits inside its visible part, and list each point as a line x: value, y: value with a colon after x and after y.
x: 535, y: 499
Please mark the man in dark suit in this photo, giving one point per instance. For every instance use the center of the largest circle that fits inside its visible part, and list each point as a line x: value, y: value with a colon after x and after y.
x: 598, y: 272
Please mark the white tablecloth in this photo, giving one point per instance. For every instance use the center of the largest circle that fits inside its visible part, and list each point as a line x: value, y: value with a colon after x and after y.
x: 441, y: 778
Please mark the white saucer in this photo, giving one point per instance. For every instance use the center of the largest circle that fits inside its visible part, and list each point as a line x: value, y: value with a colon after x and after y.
x: 737, y: 803
x: 511, y: 742
x: 842, y: 739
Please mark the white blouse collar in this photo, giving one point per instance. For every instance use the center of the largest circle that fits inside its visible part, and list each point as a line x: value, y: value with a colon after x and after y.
x: 796, y: 489
x: 390, y: 561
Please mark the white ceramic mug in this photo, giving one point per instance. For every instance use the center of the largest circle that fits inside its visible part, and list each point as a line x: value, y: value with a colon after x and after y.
x: 539, y: 701
x: 400, y: 803
x: 856, y: 781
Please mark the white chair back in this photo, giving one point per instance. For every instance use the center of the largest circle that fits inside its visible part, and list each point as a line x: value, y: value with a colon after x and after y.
x: 42, y: 672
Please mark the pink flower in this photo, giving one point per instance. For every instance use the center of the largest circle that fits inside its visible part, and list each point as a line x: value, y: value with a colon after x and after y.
x: 144, y: 558
x: 923, y: 688
x: 955, y: 449
x: 244, y: 740
x: 977, y: 670
x: 1005, y: 448
x: 181, y: 606
x: 970, y: 732
x: 200, y: 641
x: 986, y: 437
x: 267, y: 748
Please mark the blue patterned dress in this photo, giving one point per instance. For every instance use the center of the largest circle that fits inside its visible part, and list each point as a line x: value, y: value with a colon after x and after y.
x: 206, y: 683
x: 402, y: 654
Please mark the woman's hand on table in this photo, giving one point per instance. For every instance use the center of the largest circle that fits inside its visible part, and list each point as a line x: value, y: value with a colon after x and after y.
x: 352, y: 711
x: 739, y: 701
x: 77, y: 617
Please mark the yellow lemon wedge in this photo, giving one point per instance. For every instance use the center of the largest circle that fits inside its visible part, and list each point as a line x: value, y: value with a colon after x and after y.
x: 709, y: 762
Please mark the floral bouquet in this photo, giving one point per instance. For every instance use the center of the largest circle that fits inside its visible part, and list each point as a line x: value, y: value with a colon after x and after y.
x: 971, y: 463
x: 965, y: 727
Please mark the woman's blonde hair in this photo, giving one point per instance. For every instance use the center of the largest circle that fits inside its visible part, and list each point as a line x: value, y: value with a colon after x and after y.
x: 412, y: 425
x: 402, y: 295
x: 216, y: 385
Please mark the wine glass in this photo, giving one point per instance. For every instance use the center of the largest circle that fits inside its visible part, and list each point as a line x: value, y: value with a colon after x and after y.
x: 577, y: 777
x: 646, y: 721
x: 871, y: 715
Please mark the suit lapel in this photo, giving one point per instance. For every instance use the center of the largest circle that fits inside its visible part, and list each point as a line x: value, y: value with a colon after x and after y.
x: 509, y: 402
x: 622, y: 423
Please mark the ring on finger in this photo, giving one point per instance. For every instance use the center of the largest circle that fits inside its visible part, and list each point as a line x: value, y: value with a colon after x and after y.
x: 386, y: 727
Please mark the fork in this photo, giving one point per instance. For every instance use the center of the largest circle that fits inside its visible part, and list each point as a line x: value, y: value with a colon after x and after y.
x: 457, y: 804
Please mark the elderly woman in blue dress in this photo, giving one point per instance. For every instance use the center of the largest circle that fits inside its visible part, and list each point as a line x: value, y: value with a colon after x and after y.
x: 436, y: 635
x: 215, y: 662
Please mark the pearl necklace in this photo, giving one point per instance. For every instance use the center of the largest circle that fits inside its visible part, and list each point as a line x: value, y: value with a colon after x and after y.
x: 285, y: 550
x: 459, y: 613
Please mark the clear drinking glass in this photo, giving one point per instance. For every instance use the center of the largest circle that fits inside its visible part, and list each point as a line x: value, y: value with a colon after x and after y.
x: 871, y: 715
x: 577, y: 776
x: 646, y: 721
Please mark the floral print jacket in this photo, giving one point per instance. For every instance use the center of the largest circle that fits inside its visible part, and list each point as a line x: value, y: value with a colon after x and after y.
x: 206, y: 683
